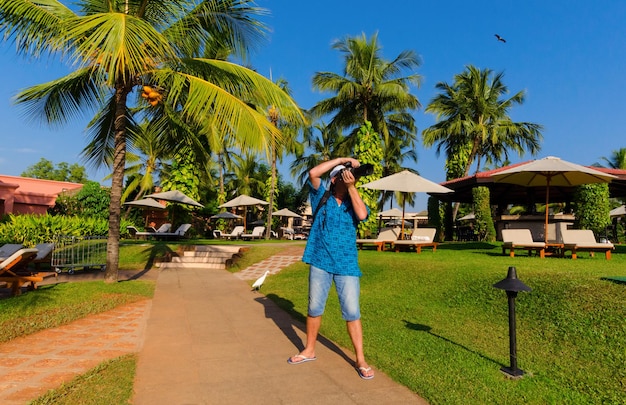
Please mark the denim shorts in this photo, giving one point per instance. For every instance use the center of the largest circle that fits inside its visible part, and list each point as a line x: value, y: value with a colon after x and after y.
x: 348, y: 290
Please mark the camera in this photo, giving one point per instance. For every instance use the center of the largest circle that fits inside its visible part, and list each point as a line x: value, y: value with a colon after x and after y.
x: 363, y: 170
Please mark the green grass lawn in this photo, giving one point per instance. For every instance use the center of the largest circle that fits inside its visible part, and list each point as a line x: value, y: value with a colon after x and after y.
x: 434, y: 323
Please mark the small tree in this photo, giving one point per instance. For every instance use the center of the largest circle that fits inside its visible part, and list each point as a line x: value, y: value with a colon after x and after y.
x: 591, y: 206
x: 92, y: 200
x: 368, y: 149
x: 485, y: 228
x: 435, y: 218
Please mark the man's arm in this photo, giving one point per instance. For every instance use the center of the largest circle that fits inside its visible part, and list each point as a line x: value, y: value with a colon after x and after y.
x: 316, y: 173
x: 357, y: 202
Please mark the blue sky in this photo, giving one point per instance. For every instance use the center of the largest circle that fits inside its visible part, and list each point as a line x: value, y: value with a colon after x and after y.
x: 569, y: 56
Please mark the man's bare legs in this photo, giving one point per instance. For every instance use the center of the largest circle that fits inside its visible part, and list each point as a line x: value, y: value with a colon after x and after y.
x: 313, y: 324
x: 355, y: 330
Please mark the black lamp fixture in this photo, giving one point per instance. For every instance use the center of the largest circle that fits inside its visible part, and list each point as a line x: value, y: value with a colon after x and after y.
x: 512, y: 285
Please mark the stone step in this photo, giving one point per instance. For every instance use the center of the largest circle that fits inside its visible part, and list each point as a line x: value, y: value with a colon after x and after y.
x: 173, y: 265
x: 191, y: 253
x: 205, y: 259
x: 219, y: 248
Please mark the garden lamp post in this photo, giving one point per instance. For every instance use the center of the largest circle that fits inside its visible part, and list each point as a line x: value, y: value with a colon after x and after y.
x: 512, y: 285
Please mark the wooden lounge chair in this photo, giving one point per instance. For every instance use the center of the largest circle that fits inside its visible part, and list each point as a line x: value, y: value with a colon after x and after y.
x: 386, y: 236
x: 14, y: 271
x: 257, y: 233
x: 577, y: 240
x: 236, y: 233
x: 150, y: 231
x: 522, y: 239
x: 44, y: 254
x: 179, y: 233
x: 8, y: 249
x: 421, y: 237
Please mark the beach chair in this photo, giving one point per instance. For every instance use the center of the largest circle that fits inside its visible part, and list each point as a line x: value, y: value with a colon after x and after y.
x: 179, y: 233
x: 386, y: 236
x: 14, y: 271
x: 236, y: 233
x: 522, y: 239
x: 257, y: 233
x: 577, y: 240
x: 150, y: 232
x: 44, y: 254
x: 8, y: 249
x: 420, y: 238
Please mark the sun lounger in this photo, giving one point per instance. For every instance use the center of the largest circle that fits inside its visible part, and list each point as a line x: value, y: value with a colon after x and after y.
x: 179, y: 233
x: 421, y: 237
x: 44, y: 254
x: 8, y: 249
x: 14, y: 270
x: 151, y: 232
x: 235, y: 234
x: 257, y: 233
x: 577, y: 240
x: 386, y: 236
x: 521, y: 239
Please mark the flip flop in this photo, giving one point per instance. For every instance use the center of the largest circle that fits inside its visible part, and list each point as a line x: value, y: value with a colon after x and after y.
x: 304, y: 359
x: 362, y: 371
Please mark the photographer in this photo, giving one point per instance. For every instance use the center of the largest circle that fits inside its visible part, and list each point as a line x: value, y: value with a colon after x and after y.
x: 332, y: 255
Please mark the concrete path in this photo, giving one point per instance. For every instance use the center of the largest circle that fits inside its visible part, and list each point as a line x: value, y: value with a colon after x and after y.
x: 211, y: 340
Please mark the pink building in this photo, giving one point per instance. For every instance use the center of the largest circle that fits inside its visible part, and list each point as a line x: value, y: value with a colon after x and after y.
x: 25, y: 195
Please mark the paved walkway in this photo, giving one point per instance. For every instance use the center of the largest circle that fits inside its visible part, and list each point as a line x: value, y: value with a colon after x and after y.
x: 36, y: 363
x: 205, y: 338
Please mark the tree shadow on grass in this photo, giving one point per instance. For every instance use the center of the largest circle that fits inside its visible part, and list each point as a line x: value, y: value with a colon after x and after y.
x: 288, y: 320
x: 425, y: 328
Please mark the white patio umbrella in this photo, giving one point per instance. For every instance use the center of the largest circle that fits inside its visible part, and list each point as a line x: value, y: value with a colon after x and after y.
x: 176, y: 197
x: 148, y: 204
x: 551, y: 171
x: 406, y: 182
x: 390, y: 213
x: 243, y: 201
x: 226, y: 215
x: 285, y: 212
x: 618, y: 212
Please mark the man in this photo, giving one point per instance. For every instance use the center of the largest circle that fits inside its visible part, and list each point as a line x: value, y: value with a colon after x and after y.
x: 332, y: 255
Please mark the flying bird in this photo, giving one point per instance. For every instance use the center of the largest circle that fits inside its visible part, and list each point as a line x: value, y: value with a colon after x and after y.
x: 500, y: 38
x: 259, y: 282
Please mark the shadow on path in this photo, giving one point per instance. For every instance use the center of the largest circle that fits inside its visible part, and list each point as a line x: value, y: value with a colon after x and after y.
x: 289, y: 326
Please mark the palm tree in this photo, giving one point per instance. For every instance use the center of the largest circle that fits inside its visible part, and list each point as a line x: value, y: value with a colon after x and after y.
x: 617, y: 160
x: 324, y: 146
x: 116, y: 47
x: 370, y: 89
x: 473, y: 120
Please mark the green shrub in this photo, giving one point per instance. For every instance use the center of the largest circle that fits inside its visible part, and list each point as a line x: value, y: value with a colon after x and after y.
x: 591, y: 206
x: 33, y: 229
x: 485, y: 228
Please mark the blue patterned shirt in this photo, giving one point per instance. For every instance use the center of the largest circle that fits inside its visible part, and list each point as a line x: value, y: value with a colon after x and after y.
x: 331, y: 245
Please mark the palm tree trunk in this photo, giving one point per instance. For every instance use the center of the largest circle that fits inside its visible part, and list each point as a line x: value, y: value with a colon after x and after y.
x: 117, y: 184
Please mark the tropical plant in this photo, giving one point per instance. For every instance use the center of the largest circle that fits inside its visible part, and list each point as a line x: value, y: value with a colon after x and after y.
x: 484, y: 227
x: 322, y: 147
x: 370, y: 89
x: 158, y: 48
x: 617, y: 160
x: 591, y: 205
x: 473, y: 120
x: 368, y: 150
